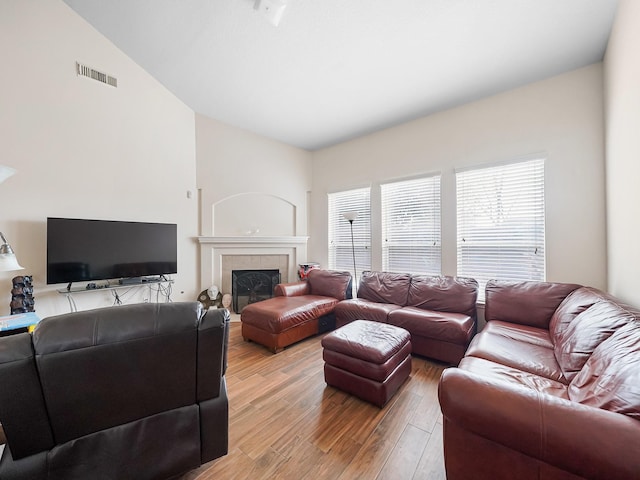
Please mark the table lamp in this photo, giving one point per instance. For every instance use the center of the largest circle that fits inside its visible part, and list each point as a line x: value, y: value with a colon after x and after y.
x: 8, y: 260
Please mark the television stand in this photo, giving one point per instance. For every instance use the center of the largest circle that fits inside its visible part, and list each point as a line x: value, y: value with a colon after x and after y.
x: 97, y: 287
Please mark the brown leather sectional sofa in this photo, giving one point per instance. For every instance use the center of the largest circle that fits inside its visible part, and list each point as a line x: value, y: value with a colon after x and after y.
x: 127, y: 392
x: 549, y: 389
x: 438, y: 312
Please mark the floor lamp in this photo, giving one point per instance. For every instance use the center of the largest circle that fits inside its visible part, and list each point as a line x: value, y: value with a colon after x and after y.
x: 351, y: 216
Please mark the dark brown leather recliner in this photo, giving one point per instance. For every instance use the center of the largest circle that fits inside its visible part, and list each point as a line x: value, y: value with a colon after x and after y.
x: 127, y: 392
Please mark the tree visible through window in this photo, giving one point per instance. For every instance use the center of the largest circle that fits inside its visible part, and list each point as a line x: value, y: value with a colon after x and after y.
x: 340, y: 252
x: 501, y: 231
x: 411, y: 226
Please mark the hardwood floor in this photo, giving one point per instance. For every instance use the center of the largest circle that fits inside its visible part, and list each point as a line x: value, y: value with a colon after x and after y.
x: 286, y: 423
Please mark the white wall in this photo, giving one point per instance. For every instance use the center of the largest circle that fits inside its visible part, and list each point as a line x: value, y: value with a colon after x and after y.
x: 84, y: 149
x: 622, y: 95
x: 250, y: 182
x: 561, y: 118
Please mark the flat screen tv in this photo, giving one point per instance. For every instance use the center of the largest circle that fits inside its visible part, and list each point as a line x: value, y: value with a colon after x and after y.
x: 83, y: 250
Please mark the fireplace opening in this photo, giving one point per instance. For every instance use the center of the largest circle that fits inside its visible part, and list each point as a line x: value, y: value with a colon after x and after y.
x: 250, y: 286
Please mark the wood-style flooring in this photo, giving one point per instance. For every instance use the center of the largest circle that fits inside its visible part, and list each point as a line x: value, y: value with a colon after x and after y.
x: 286, y: 423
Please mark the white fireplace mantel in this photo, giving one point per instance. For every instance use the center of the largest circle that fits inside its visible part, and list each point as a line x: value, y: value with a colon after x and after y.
x: 212, y: 249
x: 250, y: 240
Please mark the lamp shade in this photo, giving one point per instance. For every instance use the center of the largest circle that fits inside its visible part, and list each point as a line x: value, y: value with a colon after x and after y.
x: 351, y: 216
x: 6, y: 172
x: 8, y: 260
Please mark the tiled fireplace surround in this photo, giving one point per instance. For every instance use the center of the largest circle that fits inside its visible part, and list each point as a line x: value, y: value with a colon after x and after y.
x: 220, y: 255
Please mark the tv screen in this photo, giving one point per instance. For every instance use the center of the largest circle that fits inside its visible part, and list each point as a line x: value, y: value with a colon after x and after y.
x: 82, y: 250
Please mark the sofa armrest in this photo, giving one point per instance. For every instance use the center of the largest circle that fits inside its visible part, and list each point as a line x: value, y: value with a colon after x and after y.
x: 294, y: 289
x: 213, y: 338
x: 22, y: 409
x: 587, y: 441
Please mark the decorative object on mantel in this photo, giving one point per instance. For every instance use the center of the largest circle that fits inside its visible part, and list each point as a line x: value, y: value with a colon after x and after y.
x: 305, y: 268
x: 22, y: 295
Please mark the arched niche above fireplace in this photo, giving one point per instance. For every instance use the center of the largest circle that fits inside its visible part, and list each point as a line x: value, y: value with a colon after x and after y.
x: 253, y: 214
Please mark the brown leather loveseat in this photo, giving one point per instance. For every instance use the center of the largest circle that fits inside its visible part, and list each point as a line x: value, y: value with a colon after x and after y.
x: 549, y: 389
x: 126, y: 392
x: 438, y: 311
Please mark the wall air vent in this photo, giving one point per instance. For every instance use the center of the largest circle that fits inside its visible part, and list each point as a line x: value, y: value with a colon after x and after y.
x: 89, y: 72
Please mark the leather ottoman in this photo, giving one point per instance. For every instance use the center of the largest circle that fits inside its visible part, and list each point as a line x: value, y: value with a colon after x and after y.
x: 370, y: 360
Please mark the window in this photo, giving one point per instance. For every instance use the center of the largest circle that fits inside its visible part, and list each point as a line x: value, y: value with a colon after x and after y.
x: 501, y: 222
x: 340, y: 251
x: 411, y: 226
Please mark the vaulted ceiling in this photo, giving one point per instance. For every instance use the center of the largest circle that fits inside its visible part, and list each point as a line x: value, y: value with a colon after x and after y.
x: 333, y: 70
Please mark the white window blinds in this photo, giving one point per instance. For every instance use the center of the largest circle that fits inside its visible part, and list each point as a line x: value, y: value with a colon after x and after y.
x: 411, y: 226
x: 501, y: 222
x: 340, y: 253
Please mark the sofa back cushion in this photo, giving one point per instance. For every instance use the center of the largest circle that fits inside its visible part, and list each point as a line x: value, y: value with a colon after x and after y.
x: 385, y: 287
x: 526, y: 303
x: 610, y: 379
x: 575, y: 344
x: 110, y: 366
x: 330, y: 283
x: 573, y: 305
x: 444, y: 294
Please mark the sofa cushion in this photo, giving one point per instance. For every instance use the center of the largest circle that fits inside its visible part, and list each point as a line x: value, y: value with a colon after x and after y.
x: 585, y: 332
x: 89, y: 355
x: 329, y: 283
x: 385, y: 287
x: 361, y: 309
x: 444, y: 326
x: 278, y: 314
x: 372, y: 342
x: 526, y: 303
x: 291, y: 289
x: 517, y: 346
x: 443, y: 294
x: 610, y: 378
x: 573, y: 305
x: 504, y: 373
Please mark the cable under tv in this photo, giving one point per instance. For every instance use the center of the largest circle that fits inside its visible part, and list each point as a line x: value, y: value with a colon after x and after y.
x: 130, y: 281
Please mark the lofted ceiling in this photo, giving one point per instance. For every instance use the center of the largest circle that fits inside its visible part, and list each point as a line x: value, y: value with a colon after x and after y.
x: 333, y: 70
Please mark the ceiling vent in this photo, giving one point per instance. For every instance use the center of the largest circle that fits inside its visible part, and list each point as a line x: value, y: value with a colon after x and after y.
x: 84, y: 71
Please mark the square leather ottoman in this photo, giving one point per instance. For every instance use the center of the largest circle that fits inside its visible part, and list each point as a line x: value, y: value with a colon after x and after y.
x: 370, y: 360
